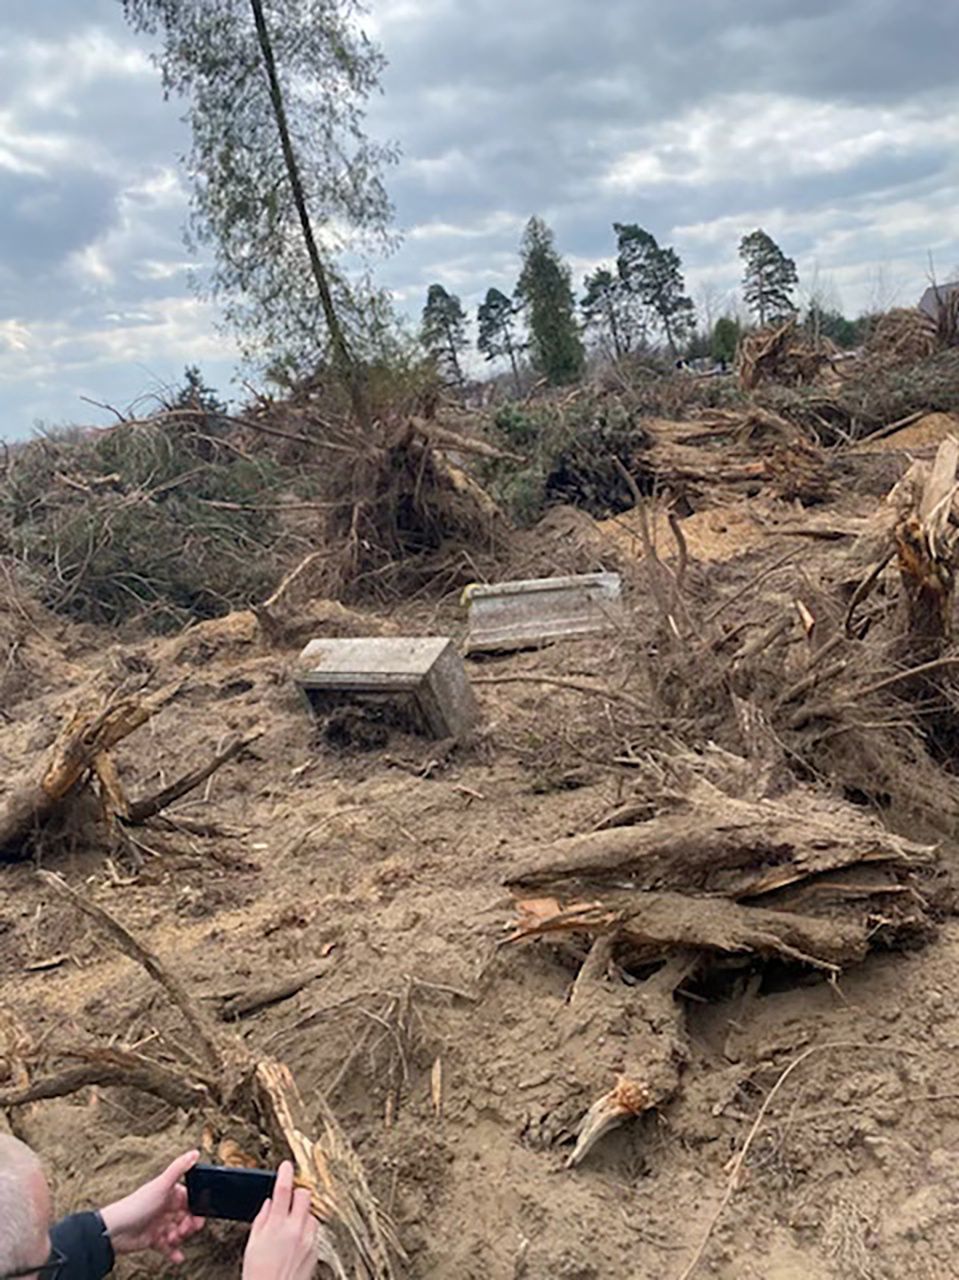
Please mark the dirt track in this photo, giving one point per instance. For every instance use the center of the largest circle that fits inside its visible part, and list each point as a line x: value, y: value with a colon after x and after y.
x: 387, y: 872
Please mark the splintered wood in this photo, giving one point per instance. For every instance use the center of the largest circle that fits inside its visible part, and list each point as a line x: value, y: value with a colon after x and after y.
x: 236, y: 1099
x: 357, y: 1242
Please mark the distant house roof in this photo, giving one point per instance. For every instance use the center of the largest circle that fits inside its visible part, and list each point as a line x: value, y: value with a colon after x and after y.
x: 935, y: 296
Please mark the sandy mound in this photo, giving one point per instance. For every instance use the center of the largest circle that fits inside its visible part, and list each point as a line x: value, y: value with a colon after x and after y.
x: 714, y: 535
x: 931, y: 429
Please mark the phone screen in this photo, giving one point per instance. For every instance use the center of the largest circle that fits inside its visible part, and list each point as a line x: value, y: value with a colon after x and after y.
x: 234, y: 1194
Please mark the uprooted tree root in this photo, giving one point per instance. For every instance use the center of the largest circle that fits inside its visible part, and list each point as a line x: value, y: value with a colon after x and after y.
x: 735, y: 855
x: 404, y: 515
x: 81, y: 756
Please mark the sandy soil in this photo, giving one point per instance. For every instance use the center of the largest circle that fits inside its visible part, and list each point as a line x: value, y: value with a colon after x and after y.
x: 384, y: 867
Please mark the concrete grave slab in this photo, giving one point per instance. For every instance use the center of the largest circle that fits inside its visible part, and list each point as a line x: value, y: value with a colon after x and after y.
x: 427, y: 670
x: 522, y: 615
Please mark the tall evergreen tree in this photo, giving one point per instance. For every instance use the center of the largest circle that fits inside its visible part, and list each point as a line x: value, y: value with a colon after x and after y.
x: 545, y: 292
x: 769, y: 278
x: 496, y: 336
x: 609, y: 311
x: 724, y: 340
x: 284, y: 178
x: 444, y: 331
x: 653, y: 273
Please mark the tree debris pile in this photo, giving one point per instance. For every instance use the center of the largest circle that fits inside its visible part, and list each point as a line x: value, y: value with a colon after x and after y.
x: 708, y: 882
x: 904, y: 336
x: 734, y: 856
x: 783, y: 355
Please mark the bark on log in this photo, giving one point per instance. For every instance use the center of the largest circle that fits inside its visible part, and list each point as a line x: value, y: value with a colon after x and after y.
x: 119, y: 1068
x: 86, y: 736
x: 655, y: 925
x: 718, y: 844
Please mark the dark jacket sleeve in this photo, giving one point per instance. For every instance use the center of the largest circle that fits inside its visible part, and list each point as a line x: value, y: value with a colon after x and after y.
x: 83, y: 1241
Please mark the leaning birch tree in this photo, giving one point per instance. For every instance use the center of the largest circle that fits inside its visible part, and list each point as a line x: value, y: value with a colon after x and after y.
x: 284, y: 181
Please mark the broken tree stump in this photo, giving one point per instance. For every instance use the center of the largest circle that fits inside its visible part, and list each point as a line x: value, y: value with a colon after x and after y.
x: 87, y: 736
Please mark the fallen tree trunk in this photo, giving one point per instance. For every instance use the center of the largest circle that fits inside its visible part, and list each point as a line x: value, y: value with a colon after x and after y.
x: 715, y: 843
x: 655, y: 925
x: 87, y: 735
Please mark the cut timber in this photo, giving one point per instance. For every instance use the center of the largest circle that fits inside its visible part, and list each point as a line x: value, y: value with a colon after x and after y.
x: 715, y: 843
x: 523, y: 615
x: 86, y: 736
x: 428, y: 670
x: 358, y: 1240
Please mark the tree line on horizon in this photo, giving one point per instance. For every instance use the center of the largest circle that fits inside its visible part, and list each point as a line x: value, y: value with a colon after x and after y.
x: 287, y: 197
x: 640, y: 303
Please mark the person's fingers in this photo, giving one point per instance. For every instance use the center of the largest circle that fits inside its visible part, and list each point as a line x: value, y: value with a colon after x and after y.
x: 260, y: 1221
x: 283, y: 1191
x: 301, y: 1207
x: 181, y: 1165
x: 172, y: 1174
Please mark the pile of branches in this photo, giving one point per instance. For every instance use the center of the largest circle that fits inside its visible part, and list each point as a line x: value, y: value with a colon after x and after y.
x: 182, y: 517
x: 155, y: 521
x: 784, y: 355
x: 904, y: 335
x: 874, y: 394
x: 574, y: 450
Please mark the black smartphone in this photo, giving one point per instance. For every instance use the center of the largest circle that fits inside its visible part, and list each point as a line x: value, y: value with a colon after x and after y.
x: 234, y: 1194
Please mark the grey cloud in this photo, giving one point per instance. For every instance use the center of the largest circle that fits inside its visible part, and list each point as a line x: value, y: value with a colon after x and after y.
x: 504, y: 108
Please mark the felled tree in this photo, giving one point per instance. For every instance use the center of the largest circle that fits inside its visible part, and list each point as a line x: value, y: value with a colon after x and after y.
x: 653, y: 274
x: 769, y: 278
x: 496, y: 337
x: 609, y: 311
x: 544, y: 290
x: 444, y: 331
x: 283, y: 177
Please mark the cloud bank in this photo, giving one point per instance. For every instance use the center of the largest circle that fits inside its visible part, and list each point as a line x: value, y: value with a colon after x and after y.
x: 836, y: 128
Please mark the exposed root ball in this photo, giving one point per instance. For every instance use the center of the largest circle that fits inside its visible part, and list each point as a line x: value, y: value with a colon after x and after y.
x: 404, y: 516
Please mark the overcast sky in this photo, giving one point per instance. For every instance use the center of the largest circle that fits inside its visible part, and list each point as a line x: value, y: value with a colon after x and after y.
x: 833, y: 124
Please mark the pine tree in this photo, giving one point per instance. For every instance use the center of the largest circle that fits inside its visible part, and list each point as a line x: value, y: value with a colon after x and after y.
x: 724, y: 341
x: 444, y: 331
x: 284, y: 179
x: 609, y: 311
x: 545, y: 292
x: 496, y: 337
x: 653, y: 274
x: 769, y: 278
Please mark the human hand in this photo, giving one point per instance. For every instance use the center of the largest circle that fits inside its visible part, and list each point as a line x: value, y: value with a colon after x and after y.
x: 282, y: 1243
x: 156, y: 1216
